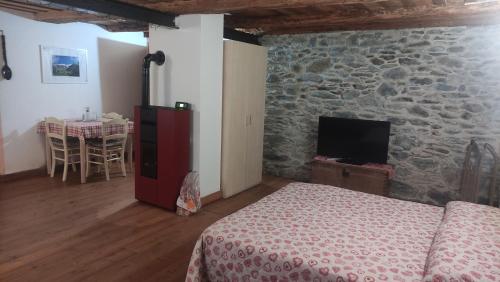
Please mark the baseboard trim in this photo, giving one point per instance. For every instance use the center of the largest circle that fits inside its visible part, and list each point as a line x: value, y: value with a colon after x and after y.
x: 207, y: 200
x: 23, y: 174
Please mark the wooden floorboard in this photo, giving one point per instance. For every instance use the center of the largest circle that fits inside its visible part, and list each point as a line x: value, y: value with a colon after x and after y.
x: 54, y: 231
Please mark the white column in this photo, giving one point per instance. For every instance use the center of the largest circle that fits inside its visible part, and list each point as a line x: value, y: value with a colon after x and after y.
x: 193, y: 73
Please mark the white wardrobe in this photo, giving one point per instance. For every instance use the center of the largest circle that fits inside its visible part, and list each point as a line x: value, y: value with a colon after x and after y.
x: 245, y: 67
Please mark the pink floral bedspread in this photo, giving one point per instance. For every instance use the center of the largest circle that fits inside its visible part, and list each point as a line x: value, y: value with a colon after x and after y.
x: 311, y: 232
x: 467, y: 245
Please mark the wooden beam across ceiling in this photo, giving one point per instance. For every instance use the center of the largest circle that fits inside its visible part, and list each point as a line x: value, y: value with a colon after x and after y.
x: 23, y: 7
x: 237, y: 35
x: 231, y: 6
x: 67, y: 16
x: 417, y: 22
x: 123, y: 10
x: 127, y: 11
x: 129, y: 26
x: 110, y: 23
x: 299, y: 16
x: 267, y: 16
x: 402, y: 19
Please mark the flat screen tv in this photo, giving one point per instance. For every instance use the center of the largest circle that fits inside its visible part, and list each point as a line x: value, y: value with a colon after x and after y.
x: 354, y: 141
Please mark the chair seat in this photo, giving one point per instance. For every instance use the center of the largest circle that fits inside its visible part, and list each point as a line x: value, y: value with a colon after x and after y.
x: 97, y: 144
x: 71, y: 142
x: 94, y: 142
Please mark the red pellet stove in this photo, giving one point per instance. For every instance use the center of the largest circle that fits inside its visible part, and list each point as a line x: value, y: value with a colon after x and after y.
x: 162, y: 146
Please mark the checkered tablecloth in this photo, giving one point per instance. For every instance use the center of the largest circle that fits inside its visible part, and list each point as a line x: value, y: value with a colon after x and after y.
x: 86, y: 129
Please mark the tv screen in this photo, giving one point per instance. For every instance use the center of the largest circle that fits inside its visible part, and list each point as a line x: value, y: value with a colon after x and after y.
x: 353, y: 141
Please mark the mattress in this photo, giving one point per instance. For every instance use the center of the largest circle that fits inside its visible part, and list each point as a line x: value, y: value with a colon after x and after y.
x: 312, y: 232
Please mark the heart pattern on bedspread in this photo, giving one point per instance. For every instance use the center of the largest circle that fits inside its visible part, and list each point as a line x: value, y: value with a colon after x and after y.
x: 467, y: 245
x: 311, y: 232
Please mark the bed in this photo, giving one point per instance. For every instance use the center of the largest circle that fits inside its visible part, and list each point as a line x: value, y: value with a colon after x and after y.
x: 311, y: 232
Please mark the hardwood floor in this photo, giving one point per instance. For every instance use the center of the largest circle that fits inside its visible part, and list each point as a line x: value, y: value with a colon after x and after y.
x: 54, y: 231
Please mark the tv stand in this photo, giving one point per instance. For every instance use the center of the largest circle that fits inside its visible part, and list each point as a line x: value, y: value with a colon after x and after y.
x: 351, y: 162
x: 354, y: 177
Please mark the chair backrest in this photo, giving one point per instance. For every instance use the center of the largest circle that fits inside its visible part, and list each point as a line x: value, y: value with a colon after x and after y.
x: 55, y: 130
x: 469, y: 184
x: 112, y: 115
x: 114, y: 131
x: 493, y: 194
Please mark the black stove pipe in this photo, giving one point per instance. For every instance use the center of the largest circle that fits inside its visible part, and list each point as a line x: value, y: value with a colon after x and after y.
x: 159, y: 59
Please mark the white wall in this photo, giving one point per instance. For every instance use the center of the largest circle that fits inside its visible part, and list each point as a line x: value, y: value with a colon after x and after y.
x: 193, y: 73
x: 25, y: 100
x: 211, y: 76
x: 120, y: 67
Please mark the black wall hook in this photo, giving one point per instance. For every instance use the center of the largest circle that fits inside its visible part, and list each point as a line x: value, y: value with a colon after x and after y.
x: 6, y: 71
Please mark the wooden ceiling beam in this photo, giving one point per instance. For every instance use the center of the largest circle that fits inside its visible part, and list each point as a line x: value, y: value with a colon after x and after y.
x: 229, y: 6
x: 123, y: 10
x: 375, y: 8
x: 420, y: 22
x: 268, y: 16
x: 416, y: 17
x: 69, y: 16
x: 128, y: 26
x: 237, y: 35
x: 44, y: 11
x: 110, y: 23
x: 413, y: 21
x: 14, y: 5
x: 24, y: 10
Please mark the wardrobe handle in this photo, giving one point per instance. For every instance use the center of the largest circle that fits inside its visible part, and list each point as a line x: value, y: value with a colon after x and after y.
x: 250, y: 120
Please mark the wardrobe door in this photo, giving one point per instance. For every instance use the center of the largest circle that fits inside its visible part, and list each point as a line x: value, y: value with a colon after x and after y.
x: 234, y: 120
x: 255, y: 100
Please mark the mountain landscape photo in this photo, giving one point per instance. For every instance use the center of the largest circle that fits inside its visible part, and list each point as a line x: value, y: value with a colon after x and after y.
x: 65, y: 66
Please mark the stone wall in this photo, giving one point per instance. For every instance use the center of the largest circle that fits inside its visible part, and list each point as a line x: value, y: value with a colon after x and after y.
x: 439, y: 87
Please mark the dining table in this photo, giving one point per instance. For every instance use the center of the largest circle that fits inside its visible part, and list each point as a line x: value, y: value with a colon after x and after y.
x: 84, y: 130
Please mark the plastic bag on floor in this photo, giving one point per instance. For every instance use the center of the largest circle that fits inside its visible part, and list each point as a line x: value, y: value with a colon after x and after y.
x: 189, y: 199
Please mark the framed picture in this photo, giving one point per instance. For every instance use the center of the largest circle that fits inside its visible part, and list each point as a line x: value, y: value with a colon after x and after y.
x: 61, y: 65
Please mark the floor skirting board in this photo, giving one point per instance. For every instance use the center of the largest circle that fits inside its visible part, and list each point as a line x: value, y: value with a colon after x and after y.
x: 211, y: 198
x: 23, y: 174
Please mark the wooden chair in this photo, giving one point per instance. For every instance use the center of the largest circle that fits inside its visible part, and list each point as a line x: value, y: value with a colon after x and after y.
x: 493, y: 193
x: 469, y: 183
x: 110, y: 148
x: 62, y: 148
x: 111, y: 115
x: 473, y: 174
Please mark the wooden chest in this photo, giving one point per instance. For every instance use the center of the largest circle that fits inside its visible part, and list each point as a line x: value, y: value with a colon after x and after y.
x: 353, y: 177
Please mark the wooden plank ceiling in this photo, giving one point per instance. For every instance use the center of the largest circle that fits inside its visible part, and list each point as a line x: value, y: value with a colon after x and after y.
x: 54, y: 13
x: 288, y: 16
